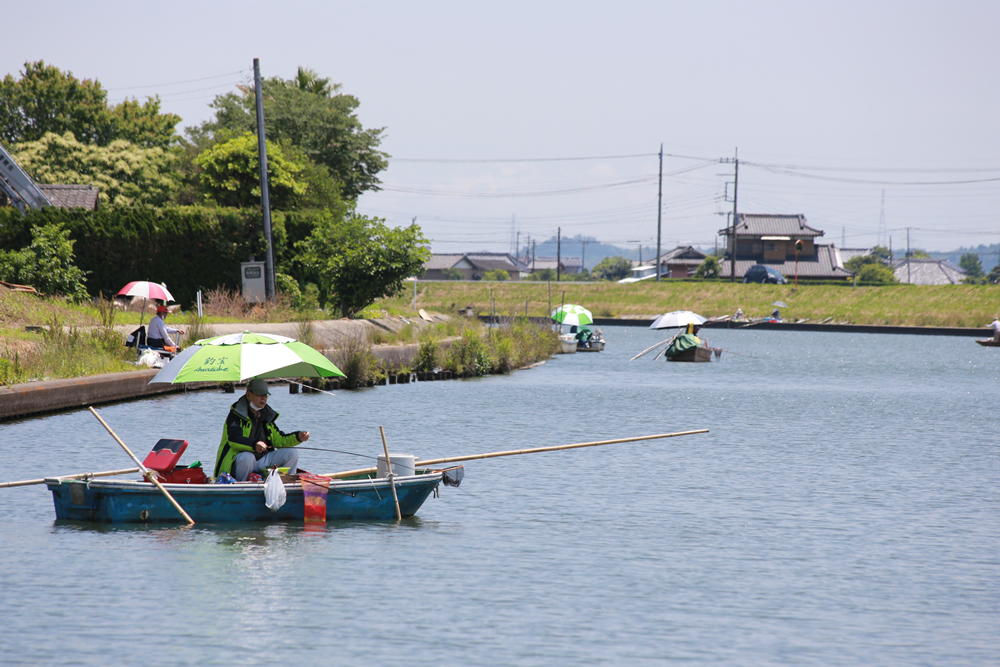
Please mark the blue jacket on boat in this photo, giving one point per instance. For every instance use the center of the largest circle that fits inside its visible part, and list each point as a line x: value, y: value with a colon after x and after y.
x: 237, y: 434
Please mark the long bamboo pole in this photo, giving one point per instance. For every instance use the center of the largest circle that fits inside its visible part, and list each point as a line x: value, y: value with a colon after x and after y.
x: 82, y: 475
x: 392, y: 476
x: 651, y: 348
x: 147, y: 473
x: 516, y: 452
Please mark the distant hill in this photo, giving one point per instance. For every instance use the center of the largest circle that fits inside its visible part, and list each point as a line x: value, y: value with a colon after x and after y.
x: 988, y: 255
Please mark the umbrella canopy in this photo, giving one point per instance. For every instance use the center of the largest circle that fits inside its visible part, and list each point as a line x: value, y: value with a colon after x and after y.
x: 677, y: 318
x: 780, y: 304
x: 572, y: 314
x: 146, y: 290
x: 236, y: 357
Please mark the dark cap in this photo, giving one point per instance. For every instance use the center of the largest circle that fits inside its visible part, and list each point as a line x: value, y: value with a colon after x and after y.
x: 258, y: 386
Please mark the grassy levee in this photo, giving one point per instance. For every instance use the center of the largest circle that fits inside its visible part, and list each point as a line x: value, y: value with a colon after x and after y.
x: 905, y: 305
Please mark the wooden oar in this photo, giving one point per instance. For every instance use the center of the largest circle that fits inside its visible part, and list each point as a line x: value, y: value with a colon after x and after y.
x: 515, y: 452
x: 81, y: 475
x: 651, y: 348
x: 392, y: 477
x: 147, y: 473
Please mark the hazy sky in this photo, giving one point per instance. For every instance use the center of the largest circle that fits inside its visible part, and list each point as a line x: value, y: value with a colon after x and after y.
x: 484, y: 104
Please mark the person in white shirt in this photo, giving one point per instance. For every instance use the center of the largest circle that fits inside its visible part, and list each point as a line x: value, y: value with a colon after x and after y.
x: 995, y: 325
x: 158, y: 334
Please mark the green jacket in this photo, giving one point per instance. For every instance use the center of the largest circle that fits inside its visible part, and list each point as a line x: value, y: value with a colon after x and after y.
x: 236, y: 435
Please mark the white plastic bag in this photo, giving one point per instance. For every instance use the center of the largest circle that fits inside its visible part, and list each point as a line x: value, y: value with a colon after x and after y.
x: 274, y: 491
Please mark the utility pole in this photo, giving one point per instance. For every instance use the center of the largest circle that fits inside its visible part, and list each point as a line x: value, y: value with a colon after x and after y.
x: 736, y: 217
x: 659, y: 215
x: 909, y: 258
x: 559, y: 254
x: 265, y: 199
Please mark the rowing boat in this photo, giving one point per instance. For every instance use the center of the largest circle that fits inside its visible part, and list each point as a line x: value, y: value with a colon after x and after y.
x: 130, y: 501
x: 988, y: 342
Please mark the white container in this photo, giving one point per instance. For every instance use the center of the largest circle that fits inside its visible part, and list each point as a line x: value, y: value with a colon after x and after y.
x: 402, y: 465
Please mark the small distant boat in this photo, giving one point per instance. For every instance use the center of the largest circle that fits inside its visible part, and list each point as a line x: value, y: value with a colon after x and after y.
x: 697, y: 354
x: 567, y: 344
x: 988, y: 342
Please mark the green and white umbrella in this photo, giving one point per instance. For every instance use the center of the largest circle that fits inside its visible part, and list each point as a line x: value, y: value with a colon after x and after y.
x: 572, y: 314
x: 237, y: 357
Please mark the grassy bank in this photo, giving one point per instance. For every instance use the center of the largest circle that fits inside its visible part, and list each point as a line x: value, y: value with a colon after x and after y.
x: 907, y: 305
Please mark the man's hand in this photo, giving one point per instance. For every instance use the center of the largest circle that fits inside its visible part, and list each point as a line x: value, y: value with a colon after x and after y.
x: 260, y: 447
x: 303, y: 436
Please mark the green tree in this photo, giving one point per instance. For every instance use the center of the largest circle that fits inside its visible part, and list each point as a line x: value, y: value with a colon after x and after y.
x: 124, y: 173
x: 230, y: 173
x: 919, y: 254
x: 310, y: 113
x: 710, y: 268
x: 451, y: 273
x: 359, y: 259
x: 878, y: 255
x: 993, y: 277
x: 46, y: 264
x: 46, y: 99
x: 496, y: 274
x: 613, y: 268
x: 876, y: 273
x: 973, y: 268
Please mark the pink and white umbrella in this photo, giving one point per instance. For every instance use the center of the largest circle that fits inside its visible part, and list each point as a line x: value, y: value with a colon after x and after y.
x: 146, y: 290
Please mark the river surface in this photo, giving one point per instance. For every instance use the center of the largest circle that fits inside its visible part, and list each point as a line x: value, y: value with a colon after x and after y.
x: 842, y: 510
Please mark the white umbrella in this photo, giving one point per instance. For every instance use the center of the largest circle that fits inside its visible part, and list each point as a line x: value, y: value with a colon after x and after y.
x: 677, y: 318
x: 780, y: 304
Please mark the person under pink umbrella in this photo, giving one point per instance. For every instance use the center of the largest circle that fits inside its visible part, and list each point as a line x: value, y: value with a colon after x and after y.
x: 159, y: 333
x: 146, y: 290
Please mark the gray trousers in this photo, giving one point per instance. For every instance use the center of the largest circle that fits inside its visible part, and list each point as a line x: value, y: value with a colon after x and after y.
x: 246, y: 463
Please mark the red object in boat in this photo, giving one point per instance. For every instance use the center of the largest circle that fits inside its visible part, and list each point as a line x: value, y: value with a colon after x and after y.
x: 165, y: 455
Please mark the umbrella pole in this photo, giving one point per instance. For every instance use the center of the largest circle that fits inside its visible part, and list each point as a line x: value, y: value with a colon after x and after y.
x: 147, y: 473
x: 392, y: 476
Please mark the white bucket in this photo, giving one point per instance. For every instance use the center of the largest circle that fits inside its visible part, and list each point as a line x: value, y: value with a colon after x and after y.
x: 402, y: 465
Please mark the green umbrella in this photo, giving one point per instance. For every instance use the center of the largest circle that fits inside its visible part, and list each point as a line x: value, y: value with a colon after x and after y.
x: 572, y: 314
x: 236, y: 357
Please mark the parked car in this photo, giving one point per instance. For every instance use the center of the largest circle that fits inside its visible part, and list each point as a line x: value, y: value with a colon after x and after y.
x: 758, y: 273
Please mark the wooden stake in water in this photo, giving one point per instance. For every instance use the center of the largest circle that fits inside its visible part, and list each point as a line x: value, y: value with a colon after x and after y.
x: 392, y: 476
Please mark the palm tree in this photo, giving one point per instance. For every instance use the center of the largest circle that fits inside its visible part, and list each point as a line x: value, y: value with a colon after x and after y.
x: 308, y: 80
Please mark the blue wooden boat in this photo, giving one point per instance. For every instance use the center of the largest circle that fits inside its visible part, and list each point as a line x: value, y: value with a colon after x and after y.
x: 133, y: 501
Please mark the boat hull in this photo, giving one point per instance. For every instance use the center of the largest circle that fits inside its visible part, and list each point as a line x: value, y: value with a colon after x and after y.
x: 696, y: 354
x: 595, y: 346
x: 989, y: 342
x: 141, y: 502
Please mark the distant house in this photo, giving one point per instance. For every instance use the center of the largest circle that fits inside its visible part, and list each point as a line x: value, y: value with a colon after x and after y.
x: 472, y: 266
x: 71, y: 196
x: 925, y: 271
x: 568, y: 264
x: 681, y: 262
x: 770, y: 239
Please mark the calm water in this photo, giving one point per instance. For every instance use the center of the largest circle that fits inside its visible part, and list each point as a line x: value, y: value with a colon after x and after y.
x: 843, y: 510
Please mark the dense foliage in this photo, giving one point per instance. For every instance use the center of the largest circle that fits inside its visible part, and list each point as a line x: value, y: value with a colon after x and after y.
x: 613, y: 268
x: 46, y: 264
x: 124, y: 173
x: 230, y: 173
x: 359, y: 259
x: 46, y: 99
x: 311, y: 114
x: 709, y: 269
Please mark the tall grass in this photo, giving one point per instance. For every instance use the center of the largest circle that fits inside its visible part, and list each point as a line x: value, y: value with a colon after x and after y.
x: 514, y: 343
x: 916, y: 305
x: 353, y: 356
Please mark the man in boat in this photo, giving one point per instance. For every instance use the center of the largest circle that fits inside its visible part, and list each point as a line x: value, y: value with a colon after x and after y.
x: 995, y: 325
x: 159, y: 333
x: 250, y: 440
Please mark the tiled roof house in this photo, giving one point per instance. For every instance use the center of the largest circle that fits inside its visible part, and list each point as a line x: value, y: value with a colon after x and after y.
x: 770, y: 239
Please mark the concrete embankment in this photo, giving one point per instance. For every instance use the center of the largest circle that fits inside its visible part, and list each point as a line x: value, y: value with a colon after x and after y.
x: 52, y: 395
